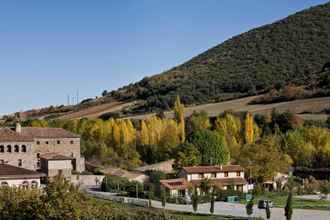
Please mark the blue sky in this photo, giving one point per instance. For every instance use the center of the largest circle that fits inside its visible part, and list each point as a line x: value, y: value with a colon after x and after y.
x: 49, y: 49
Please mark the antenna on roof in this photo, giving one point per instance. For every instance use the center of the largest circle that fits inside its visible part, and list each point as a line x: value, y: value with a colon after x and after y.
x: 77, y: 96
x: 68, y: 99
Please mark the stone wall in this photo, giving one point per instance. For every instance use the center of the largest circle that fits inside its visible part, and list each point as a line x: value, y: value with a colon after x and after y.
x: 65, y: 146
x: 87, y: 180
x: 12, y: 158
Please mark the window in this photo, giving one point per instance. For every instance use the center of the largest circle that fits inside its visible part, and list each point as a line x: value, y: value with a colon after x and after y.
x: 47, y: 142
x: 201, y: 175
x: 4, y: 184
x: 19, y: 162
x: 38, y: 162
x: 34, y: 184
x: 60, y: 172
x: 9, y: 148
x: 213, y: 175
x: 38, y: 142
x: 16, y: 148
x: 2, y: 149
x: 23, y: 148
x: 71, y: 142
x: 25, y: 185
x: 226, y: 174
x: 58, y: 142
x: 238, y: 173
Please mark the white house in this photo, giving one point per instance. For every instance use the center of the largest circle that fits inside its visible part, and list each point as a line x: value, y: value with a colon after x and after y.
x: 220, y: 176
x: 19, y: 177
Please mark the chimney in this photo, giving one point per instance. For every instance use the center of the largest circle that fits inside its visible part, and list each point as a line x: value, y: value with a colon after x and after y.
x: 18, y: 128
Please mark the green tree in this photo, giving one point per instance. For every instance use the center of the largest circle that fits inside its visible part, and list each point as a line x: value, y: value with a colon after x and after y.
x: 325, y: 189
x: 268, y: 213
x: 264, y: 159
x: 194, y: 199
x: 212, y: 200
x: 212, y: 147
x: 197, y: 122
x: 179, y: 116
x: 187, y: 155
x: 163, y: 195
x: 249, y: 207
x: 288, y: 207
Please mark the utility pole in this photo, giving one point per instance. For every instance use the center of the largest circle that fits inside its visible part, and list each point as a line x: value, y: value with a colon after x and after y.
x: 137, y: 191
x: 77, y: 96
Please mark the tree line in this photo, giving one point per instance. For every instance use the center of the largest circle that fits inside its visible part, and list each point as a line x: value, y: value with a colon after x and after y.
x: 263, y: 144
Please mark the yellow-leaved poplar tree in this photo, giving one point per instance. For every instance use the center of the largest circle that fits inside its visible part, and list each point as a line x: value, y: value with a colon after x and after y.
x: 249, y: 128
x: 179, y: 116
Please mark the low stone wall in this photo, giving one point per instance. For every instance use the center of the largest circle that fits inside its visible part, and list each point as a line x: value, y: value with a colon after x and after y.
x: 87, y: 180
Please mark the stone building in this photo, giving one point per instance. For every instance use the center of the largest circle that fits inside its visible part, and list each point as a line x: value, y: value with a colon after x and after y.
x: 26, y: 147
x: 218, y: 176
x: 19, y: 177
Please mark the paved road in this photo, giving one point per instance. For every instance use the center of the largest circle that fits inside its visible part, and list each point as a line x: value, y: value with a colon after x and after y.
x: 223, y: 208
x: 232, y: 209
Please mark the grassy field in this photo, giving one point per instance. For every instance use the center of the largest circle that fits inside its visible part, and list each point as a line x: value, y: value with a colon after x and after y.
x: 304, y: 107
x: 279, y: 200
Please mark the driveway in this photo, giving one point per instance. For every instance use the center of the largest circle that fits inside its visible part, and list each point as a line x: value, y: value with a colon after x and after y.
x: 223, y: 208
x: 229, y: 209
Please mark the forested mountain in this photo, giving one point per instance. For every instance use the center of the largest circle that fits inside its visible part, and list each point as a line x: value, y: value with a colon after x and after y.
x: 289, y: 51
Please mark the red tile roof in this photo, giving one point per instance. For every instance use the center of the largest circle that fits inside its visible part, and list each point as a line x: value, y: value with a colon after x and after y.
x: 28, y: 134
x: 48, y: 133
x: 55, y: 156
x: 8, y: 135
x: 213, y: 169
x: 11, y: 172
x: 179, y: 183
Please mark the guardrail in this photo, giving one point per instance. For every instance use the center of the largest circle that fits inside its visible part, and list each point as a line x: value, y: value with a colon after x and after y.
x: 121, y: 199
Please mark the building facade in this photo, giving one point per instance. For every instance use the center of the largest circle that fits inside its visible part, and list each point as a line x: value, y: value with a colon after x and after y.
x: 24, y: 147
x: 219, y: 176
x: 19, y: 177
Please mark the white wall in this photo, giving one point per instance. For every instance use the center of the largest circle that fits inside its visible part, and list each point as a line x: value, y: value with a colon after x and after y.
x: 218, y: 176
x: 59, y: 164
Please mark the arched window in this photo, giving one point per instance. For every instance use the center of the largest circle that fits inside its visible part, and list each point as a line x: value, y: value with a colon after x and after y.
x: 20, y: 163
x: 34, y: 184
x: 25, y: 185
x: 23, y: 148
x: 16, y: 148
x: 4, y: 184
x: 2, y: 149
x: 9, y: 148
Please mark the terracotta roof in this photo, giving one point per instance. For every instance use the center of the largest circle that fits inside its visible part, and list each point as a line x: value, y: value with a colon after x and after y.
x: 28, y: 134
x: 179, y: 183
x: 12, y: 172
x: 8, y: 135
x: 47, y: 133
x: 222, y: 182
x: 213, y: 169
x: 55, y: 156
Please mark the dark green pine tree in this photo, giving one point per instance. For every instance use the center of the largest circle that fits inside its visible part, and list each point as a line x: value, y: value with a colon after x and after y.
x: 288, y: 207
x: 268, y: 211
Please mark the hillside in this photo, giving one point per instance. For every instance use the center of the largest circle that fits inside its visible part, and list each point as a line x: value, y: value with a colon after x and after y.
x: 290, y: 51
x: 310, y: 109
